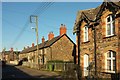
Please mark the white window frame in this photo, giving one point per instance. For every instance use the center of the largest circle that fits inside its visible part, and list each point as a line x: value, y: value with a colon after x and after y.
x: 111, y: 64
x: 85, y: 33
x: 111, y: 23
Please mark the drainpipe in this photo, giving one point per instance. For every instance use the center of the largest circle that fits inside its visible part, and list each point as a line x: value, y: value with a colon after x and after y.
x: 95, y: 57
x: 50, y: 53
x: 78, y: 70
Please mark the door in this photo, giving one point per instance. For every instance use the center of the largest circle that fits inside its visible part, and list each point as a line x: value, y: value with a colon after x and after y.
x: 86, y: 64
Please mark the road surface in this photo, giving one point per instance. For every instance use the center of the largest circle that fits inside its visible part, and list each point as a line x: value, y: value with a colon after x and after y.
x: 11, y: 72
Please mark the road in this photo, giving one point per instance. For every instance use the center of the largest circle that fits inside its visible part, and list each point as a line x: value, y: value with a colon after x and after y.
x: 11, y: 72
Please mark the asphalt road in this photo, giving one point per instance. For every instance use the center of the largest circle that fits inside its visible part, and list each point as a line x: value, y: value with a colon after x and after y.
x: 11, y: 72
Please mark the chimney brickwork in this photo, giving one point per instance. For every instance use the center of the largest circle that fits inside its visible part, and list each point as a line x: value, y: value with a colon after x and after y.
x: 50, y: 35
x: 43, y: 39
x: 63, y: 29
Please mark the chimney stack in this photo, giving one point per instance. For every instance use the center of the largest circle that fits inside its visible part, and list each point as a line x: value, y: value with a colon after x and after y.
x: 43, y: 39
x: 32, y: 44
x: 50, y: 35
x: 63, y: 29
x: 11, y: 49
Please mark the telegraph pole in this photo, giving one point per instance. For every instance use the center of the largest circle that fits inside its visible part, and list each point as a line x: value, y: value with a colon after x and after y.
x: 36, y: 30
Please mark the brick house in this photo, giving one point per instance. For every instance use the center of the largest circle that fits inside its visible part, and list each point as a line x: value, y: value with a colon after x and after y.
x: 98, y: 37
x: 59, y: 48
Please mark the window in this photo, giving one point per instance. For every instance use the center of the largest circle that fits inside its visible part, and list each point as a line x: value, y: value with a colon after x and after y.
x: 85, y: 33
x: 110, y: 22
x: 86, y: 64
x: 111, y: 62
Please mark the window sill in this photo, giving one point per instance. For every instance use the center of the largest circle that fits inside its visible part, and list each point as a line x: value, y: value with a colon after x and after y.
x: 109, y: 72
x: 85, y: 42
x: 109, y: 36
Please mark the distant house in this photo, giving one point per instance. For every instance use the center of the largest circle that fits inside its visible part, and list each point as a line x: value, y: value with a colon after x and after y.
x: 100, y: 26
x: 59, y: 48
x: 10, y: 55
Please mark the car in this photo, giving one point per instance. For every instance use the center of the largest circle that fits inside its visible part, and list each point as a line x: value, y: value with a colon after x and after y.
x: 21, y: 61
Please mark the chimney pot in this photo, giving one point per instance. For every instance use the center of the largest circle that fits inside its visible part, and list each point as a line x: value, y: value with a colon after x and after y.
x: 43, y: 39
x: 32, y: 44
x: 11, y: 49
x: 63, y: 29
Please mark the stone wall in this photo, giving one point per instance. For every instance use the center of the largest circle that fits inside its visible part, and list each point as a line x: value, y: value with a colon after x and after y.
x: 104, y: 44
x: 61, y: 50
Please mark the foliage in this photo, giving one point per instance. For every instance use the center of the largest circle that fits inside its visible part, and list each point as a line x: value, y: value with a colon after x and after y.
x: 55, y: 61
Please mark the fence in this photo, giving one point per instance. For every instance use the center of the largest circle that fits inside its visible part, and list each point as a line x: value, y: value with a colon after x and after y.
x: 59, y: 66
x: 51, y: 66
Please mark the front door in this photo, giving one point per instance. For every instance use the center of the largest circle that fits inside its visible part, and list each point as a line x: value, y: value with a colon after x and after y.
x: 86, y: 64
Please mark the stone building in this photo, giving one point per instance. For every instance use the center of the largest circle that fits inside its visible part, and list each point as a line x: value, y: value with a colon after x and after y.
x: 98, y: 36
x: 10, y: 55
x: 59, y: 48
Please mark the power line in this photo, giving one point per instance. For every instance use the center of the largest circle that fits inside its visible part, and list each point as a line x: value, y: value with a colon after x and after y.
x: 13, y: 25
x: 26, y: 24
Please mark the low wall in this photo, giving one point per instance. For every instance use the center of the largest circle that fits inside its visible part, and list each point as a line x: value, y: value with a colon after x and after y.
x: 31, y: 65
x: 14, y: 62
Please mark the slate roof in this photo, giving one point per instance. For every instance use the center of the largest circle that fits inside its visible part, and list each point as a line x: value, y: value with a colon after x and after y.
x: 8, y: 52
x: 90, y: 15
x: 46, y: 44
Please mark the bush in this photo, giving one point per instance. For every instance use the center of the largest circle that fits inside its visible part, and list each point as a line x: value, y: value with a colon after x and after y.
x: 55, y: 61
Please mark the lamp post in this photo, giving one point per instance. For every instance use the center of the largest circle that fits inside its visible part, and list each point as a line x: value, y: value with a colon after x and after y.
x: 36, y: 30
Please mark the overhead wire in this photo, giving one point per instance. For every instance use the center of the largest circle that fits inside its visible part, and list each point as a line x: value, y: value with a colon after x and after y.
x: 27, y: 22
x: 13, y: 25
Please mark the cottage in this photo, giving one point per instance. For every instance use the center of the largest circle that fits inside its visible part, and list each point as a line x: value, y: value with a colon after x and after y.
x: 10, y: 55
x: 59, y: 48
x: 98, y: 37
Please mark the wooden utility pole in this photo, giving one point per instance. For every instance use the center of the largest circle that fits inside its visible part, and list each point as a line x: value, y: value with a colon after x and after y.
x: 36, y: 30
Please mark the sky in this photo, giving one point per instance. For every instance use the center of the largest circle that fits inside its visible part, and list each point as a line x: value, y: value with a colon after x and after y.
x: 16, y: 26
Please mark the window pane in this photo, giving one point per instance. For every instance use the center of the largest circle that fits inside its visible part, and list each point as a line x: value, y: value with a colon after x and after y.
x: 86, y: 33
x: 113, y: 27
x: 114, y: 55
x: 114, y: 62
x: 108, y: 54
x: 114, y: 68
x: 109, y: 64
x: 113, y: 17
x: 108, y: 29
x: 108, y: 19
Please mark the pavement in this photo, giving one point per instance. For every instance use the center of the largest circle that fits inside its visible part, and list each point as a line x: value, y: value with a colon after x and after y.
x: 12, y: 72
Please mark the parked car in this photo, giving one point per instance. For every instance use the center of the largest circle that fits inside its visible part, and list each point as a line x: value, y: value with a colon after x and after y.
x: 21, y: 61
